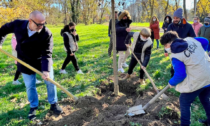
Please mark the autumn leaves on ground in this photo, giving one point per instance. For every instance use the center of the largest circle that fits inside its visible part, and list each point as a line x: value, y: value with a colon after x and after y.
x: 100, y: 107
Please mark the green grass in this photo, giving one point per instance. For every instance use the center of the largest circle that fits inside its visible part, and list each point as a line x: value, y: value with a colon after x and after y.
x: 93, y: 60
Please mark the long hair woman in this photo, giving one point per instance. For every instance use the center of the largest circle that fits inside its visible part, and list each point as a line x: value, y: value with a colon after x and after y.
x: 70, y: 38
x: 154, y: 26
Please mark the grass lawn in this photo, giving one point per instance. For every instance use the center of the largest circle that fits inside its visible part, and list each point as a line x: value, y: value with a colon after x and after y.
x: 93, y: 60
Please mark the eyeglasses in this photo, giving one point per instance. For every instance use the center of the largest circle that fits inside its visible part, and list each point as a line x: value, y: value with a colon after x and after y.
x: 38, y: 25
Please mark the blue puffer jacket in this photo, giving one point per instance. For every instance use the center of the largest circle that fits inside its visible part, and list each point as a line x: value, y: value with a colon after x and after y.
x: 178, y: 46
x: 184, y: 29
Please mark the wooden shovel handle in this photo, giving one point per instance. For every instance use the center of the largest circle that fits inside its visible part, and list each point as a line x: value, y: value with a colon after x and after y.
x: 38, y: 72
x: 153, y: 84
x: 154, y: 98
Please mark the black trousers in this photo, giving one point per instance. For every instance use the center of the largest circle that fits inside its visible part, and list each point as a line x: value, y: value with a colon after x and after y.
x: 68, y: 59
x: 17, y: 75
x: 132, y: 65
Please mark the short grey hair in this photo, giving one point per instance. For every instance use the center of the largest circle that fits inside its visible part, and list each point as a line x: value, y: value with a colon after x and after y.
x: 35, y: 13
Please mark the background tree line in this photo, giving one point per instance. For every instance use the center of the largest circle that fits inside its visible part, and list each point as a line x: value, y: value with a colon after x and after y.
x: 97, y: 11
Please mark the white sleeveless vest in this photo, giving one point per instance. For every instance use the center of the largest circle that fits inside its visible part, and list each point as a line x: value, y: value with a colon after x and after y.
x: 146, y: 45
x: 72, y: 43
x: 197, y: 64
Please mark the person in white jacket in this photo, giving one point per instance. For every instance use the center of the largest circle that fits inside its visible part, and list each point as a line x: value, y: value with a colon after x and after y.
x: 192, y: 70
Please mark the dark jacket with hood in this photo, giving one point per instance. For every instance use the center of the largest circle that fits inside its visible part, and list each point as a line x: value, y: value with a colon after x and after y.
x: 166, y: 24
x: 121, y: 32
x: 180, y: 45
x: 35, y: 50
x: 184, y: 29
x: 204, y: 32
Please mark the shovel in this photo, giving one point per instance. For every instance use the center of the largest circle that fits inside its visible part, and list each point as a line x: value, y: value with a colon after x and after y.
x: 137, y: 110
x: 153, y: 84
x: 41, y: 74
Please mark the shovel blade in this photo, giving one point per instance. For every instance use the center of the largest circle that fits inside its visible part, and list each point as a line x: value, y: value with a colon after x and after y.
x: 165, y: 97
x: 136, y: 110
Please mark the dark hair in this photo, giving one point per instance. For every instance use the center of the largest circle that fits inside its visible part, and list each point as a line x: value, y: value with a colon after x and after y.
x: 72, y: 24
x: 66, y: 27
x: 116, y: 11
x: 168, y: 37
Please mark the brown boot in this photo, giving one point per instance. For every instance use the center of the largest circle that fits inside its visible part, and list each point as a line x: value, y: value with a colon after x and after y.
x: 127, y: 76
x: 142, y: 82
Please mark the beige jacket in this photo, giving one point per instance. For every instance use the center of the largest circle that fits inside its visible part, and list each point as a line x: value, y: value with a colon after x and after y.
x: 146, y: 45
x: 72, y: 43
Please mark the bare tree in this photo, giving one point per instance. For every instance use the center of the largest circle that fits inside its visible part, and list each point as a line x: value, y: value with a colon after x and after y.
x: 103, y: 10
x: 195, y: 5
x: 75, y: 4
x: 185, y: 10
x: 166, y: 8
x: 151, y: 3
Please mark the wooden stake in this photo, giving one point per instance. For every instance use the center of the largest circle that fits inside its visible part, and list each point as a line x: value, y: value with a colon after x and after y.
x: 116, y: 86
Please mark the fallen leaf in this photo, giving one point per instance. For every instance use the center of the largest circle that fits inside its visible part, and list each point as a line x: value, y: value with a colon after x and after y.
x: 13, y: 100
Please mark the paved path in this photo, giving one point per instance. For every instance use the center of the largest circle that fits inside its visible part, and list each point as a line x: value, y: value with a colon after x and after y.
x: 138, y: 27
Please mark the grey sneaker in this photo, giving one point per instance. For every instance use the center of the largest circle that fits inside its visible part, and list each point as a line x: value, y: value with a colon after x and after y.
x: 16, y: 82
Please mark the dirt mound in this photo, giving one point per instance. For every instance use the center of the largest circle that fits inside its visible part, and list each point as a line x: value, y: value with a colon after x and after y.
x: 87, y: 101
x: 127, y: 86
x: 109, y: 110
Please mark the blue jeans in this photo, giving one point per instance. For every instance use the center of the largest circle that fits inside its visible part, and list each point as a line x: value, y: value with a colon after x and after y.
x: 30, y: 83
x: 186, y: 99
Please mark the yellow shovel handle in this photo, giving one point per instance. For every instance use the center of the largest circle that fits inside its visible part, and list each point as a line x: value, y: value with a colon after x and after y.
x: 41, y: 74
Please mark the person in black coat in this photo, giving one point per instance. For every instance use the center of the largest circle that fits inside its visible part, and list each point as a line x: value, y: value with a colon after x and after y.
x: 167, y: 22
x: 34, y: 47
x: 122, y: 29
x: 70, y: 38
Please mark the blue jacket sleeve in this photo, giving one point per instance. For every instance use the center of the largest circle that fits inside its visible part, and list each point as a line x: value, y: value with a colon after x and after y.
x: 204, y: 42
x: 180, y: 72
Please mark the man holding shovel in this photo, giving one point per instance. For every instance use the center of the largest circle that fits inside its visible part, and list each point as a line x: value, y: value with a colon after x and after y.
x: 192, y: 70
x: 34, y: 46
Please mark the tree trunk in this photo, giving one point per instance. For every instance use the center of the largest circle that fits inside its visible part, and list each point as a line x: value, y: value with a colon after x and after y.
x: 176, y: 5
x: 166, y: 8
x: 65, y: 20
x: 102, y: 13
x: 195, y: 5
x: 185, y: 10
x: 75, y: 10
x: 152, y: 7
x: 116, y: 86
